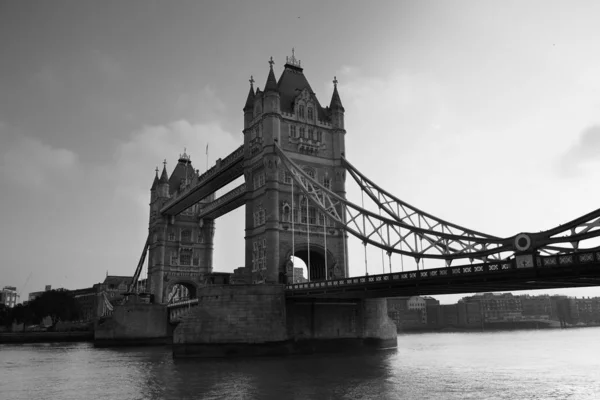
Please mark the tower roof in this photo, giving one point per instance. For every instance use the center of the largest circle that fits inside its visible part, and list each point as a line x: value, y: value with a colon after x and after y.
x: 164, y: 177
x: 250, y: 100
x: 271, y: 84
x: 336, y: 102
x: 155, y: 182
x: 183, y: 171
x: 291, y: 82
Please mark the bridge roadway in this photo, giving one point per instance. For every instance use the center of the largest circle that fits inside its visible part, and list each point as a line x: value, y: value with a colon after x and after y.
x: 577, y: 269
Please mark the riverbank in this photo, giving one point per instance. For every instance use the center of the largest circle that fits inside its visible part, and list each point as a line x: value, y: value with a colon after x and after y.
x: 46, y: 337
x: 494, y: 326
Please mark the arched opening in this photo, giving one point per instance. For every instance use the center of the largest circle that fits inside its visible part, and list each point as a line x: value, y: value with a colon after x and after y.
x: 315, y: 261
x: 300, y: 272
x: 181, y: 291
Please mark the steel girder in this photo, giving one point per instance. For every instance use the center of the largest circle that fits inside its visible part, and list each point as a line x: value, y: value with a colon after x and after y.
x: 393, y: 235
x: 412, y: 232
x: 559, y: 240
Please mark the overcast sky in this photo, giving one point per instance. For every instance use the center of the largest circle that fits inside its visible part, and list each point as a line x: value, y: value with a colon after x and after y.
x: 483, y: 113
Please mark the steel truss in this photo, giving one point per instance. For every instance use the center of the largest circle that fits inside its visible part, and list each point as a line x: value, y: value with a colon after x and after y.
x: 409, y: 231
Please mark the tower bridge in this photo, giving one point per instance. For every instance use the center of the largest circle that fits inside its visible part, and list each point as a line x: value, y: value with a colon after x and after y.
x: 295, y: 170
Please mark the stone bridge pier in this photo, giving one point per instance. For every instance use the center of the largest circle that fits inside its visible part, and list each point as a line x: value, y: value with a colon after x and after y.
x: 254, y: 320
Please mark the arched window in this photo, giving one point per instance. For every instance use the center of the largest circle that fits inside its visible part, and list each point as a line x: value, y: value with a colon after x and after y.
x: 310, y: 113
x: 301, y: 111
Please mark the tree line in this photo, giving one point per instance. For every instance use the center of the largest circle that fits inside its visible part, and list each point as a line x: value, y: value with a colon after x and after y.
x: 58, y: 304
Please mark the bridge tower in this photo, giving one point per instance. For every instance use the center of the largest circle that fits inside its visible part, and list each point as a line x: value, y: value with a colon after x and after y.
x: 180, y: 247
x: 287, y: 113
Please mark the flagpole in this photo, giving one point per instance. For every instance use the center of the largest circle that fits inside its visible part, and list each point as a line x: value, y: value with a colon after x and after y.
x: 206, y: 156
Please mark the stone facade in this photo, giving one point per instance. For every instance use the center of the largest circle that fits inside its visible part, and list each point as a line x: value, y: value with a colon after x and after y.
x: 258, y: 320
x: 287, y: 114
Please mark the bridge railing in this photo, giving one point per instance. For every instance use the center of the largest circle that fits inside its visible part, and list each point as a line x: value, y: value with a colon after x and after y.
x: 561, y: 260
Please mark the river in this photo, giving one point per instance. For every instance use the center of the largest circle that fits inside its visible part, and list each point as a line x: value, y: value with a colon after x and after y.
x: 536, y: 364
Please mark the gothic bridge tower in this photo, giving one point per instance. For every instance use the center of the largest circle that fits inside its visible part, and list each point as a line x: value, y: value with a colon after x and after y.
x: 287, y: 113
x: 181, y: 247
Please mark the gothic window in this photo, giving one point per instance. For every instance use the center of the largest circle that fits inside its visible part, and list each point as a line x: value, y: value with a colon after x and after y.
x: 327, y: 183
x: 259, y: 217
x: 310, y: 133
x: 259, y: 180
x: 171, y: 236
x: 323, y: 220
x: 200, y: 237
x: 293, y: 131
x: 312, y: 216
x: 185, y: 259
x: 310, y: 172
x: 302, y: 132
x: 286, y: 212
x: 173, y: 258
x: 186, y: 236
x: 259, y: 249
x: 310, y: 113
x: 196, y: 260
x: 301, y: 111
x: 319, y: 136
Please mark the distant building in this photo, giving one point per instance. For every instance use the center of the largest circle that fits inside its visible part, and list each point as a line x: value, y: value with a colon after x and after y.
x: 8, y: 296
x: 498, y: 307
x: 34, y: 295
x: 536, y: 307
x: 409, y: 312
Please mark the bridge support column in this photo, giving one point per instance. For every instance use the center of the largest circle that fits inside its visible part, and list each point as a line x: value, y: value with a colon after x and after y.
x: 257, y: 320
x: 329, y: 325
x: 234, y: 320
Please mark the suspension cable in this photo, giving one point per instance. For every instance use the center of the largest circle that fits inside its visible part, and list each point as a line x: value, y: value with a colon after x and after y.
x: 364, y: 231
x: 293, y: 238
x: 307, y: 240
x: 325, y: 241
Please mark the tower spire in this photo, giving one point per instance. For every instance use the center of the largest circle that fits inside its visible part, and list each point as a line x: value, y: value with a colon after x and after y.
x: 155, y: 182
x: 271, y: 81
x: 164, y: 177
x: 250, y: 99
x: 336, y: 102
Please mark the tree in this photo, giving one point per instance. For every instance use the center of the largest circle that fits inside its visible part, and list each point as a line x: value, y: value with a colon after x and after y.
x: 58, y: 304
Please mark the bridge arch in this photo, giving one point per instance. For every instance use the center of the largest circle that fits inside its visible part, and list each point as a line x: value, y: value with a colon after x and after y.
x: 180, y: 289
x: 318, y: 269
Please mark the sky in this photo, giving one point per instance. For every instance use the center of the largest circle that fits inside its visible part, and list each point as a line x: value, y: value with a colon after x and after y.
x: 483, y: 113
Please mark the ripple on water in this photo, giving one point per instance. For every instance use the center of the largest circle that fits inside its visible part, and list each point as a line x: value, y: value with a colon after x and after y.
x: 500, y: 365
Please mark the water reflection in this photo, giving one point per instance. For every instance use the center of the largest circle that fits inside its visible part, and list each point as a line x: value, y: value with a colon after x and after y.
x: 502, y: 365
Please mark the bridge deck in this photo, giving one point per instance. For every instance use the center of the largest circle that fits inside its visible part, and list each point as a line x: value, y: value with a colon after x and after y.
x: 561, y: 271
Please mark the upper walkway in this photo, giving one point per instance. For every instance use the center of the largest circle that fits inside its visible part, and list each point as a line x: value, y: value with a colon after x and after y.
x: 223, y: 172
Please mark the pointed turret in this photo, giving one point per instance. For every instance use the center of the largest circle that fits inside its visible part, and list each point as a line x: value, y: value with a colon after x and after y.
x: 336, y: 102
x: 250, y: 100
x: 271, y: 84
x: 155, y: 182
x: 164, y: 177
x: 163, y: 182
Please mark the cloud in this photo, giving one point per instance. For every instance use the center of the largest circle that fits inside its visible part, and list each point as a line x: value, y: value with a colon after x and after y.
x: 33, y: 164
x: 135, y: 159
x: 584, y: 151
